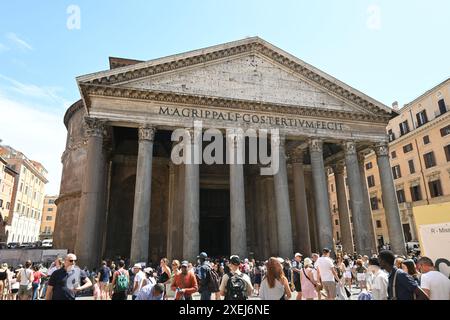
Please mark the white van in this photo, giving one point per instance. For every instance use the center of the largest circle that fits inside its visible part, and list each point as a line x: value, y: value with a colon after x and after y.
x: 47, y: 243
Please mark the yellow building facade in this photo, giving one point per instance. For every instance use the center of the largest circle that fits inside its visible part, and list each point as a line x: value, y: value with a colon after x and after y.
x: 48, y: 217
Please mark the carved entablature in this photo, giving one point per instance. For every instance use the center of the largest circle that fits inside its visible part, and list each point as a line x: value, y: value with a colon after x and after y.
x: 94, y: 127
x: 315, y: 145
x: 382, y: 149
x: 146, y: 133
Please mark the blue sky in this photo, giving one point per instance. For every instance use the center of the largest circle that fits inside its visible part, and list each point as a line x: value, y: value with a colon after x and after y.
x: 390, y: 50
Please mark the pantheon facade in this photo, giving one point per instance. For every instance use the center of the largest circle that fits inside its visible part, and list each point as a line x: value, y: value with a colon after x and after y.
x: 122, y: 195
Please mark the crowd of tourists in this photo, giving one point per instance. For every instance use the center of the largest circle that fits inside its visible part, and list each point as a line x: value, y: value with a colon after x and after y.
x: 381, y: 277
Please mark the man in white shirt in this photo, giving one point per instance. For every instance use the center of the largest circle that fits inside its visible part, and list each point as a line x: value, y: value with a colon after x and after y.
x: 434, y: 283
x: 379, y: 281
x: 138, y: 279
x: 234, y: 270
x: 327, y: 275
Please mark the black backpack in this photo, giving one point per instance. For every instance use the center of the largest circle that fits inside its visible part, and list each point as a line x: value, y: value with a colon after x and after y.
x: 236, y: 287
x: 214, y: 281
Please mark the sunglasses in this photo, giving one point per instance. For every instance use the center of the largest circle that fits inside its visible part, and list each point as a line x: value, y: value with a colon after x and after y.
x: 72, y: 260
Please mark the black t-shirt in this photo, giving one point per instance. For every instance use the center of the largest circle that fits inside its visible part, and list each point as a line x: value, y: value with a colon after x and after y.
x: 63, y: 282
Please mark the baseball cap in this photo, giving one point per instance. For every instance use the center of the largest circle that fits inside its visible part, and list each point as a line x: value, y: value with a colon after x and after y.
x: 202, y: 255
x: 326, y: 250
x: 298, y: 254
x: 185, y: 264
x: 235, y: 260
x: 137, y: 265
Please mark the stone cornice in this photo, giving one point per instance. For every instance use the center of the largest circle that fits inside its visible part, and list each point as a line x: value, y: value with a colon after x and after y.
x: 255, y: 45
x: 421, y: 129
x: 71, y: 111
x: 68, y: 196
x: 246, y: 105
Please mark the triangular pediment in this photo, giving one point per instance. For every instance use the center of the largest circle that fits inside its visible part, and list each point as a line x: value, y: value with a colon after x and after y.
x: 246, y: 70
x: 249, y: 77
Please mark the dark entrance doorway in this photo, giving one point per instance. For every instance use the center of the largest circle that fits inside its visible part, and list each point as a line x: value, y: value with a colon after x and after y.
x: 215, y: 222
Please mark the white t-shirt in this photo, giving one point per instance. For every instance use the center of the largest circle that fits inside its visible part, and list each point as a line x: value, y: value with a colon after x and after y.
x: 267, y: 293
x: 380, y: 285
x: 25, y: 275
x: 325, y: 266
x: 438, y: 285
x: 138, y: 278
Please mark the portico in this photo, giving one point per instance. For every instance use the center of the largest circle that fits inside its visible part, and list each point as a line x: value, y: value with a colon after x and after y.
x: 133, y: 201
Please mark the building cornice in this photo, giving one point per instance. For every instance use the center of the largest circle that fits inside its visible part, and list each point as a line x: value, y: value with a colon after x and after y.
x: 420, y: 130
x: 253, y: 45
x: 219, y: 102
x: 71, y: 111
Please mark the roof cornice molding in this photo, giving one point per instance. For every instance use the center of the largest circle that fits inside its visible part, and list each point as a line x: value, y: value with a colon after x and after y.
x: 89, y: 90
x: 251, y: 45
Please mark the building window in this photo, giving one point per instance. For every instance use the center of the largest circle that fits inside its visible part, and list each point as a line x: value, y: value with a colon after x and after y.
x: 445, y: 131
x: 49, y: 209
x: 332, y: 187
x: 336, y: 222
x: 416, y: 193
x: 7, y: 205
x: 51, y: 201
x: 374, y: 203
x: 48, y: 218
x: 447, y: 152
x: 401, y: 196
x: 18, y: 207
x: 21, y: 187
x: 369, y: 165
x: 411, y: 166
x: 371, y: 181
x: 442, y: 108
x: 407, y: 148
x: 378, y: 224
x: 435, y: 188
x: 1, y: 203
x: 421, y: 118
x: 391, y: 135
x: 426, y: 140
x: 393, y: 154
x: 396, y: 172
x: 430, y: 161
x: 404, y: 127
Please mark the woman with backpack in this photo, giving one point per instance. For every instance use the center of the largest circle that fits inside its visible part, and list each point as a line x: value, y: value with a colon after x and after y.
x: 120, y: 283
x: 275, y: 285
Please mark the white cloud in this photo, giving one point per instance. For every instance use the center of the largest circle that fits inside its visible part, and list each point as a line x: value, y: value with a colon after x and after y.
x: 48, y: 94
x: 39, y: 135
x: 3, y: 48
x: 19, y: 42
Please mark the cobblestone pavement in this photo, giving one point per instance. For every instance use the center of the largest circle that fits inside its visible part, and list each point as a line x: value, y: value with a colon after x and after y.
x: 355, y: 291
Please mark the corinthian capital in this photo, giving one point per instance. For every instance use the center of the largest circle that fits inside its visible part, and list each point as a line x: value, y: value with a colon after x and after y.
x: 295, y: 156
x: 146, y: 133
x: 349, y: 147
x: 338, y: 168
x: 382, y: 149
x: 315, y: 145
x: 94, y: 127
